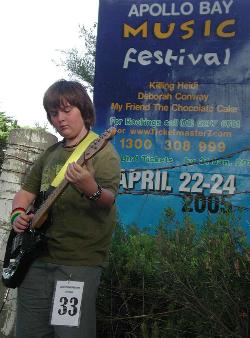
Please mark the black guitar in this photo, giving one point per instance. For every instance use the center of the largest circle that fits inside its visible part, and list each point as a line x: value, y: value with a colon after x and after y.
x: 22, y: 249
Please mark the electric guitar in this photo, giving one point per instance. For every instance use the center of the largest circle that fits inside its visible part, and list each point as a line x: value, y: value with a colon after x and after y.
x: 23, y: 248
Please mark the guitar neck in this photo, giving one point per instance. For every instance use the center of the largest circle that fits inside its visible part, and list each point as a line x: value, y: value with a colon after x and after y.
x: 44, y: 208
x: 93, y: 148
x: 41, y: 213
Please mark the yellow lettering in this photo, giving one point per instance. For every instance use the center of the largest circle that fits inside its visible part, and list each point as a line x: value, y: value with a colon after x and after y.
x: 220, y: 29
x: 159, y: 34
x: 207, y: 28
x: 188, y: 29
x: 128, y: 30
x: 185, y: 27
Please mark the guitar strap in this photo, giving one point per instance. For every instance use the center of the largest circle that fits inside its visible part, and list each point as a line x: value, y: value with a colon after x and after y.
x: 74, y: 156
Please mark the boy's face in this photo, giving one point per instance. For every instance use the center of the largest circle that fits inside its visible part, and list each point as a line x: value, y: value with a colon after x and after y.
x: 68, y: 121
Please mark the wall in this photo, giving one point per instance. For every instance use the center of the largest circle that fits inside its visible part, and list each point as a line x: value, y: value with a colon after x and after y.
x: 23, y: 148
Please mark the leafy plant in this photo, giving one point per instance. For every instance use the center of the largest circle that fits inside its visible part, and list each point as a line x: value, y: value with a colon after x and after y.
x: 81, y: 64
x: 182, y: 281
x: 6, y: 125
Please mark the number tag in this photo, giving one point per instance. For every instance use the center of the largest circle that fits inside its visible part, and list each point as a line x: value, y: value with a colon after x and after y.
x: 66, y: 307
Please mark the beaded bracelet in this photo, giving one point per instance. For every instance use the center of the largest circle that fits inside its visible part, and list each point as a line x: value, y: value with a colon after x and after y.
x: 15, y: 213
x: 96, y: 195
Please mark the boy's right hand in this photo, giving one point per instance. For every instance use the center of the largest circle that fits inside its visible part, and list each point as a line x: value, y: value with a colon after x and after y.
x: 21, y: 223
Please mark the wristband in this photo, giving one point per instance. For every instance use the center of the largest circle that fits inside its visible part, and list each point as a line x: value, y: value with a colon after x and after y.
x: 17, y: 209
x: 15, y: 213
x: 96, y: 195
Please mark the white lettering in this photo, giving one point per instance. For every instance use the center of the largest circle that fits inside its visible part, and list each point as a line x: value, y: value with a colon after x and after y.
x: 146, y: 58
x: 208, y: 8
x: 156, y: 9
x: 133, y: 11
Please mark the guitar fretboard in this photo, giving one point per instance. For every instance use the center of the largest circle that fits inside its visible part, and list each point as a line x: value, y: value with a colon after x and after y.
x: 91, y: 150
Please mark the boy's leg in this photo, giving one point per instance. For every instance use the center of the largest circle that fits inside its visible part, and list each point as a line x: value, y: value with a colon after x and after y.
x: 91, y: 278
x: 34, y: 304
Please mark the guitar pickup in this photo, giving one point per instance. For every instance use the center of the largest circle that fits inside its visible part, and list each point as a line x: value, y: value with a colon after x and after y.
x: 17, y: 242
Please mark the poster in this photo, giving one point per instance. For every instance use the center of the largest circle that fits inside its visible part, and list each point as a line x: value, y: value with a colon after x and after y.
x: 173, y: 77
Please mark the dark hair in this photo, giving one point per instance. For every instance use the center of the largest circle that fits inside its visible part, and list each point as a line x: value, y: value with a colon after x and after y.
x: 72, y: 92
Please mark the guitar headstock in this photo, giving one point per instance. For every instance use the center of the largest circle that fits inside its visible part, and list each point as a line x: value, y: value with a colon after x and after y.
x: 99, y: 143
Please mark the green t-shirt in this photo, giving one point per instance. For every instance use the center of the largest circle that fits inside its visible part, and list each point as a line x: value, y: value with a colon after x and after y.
x: 80, y: 231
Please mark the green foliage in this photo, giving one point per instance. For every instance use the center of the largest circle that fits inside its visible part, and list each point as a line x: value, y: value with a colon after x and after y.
x: 82, y: 64
x: 43, y: 127
x: 178, y: 282
x: 6, y: 125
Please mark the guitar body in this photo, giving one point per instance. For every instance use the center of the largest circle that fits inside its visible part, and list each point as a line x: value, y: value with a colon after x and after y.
x: 21, y: 250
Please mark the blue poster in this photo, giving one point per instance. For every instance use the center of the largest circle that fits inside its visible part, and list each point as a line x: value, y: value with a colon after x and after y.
x: 173, y: 77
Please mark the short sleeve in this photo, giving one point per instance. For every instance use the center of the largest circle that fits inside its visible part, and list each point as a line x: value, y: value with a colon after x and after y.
x: 106, y: 164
